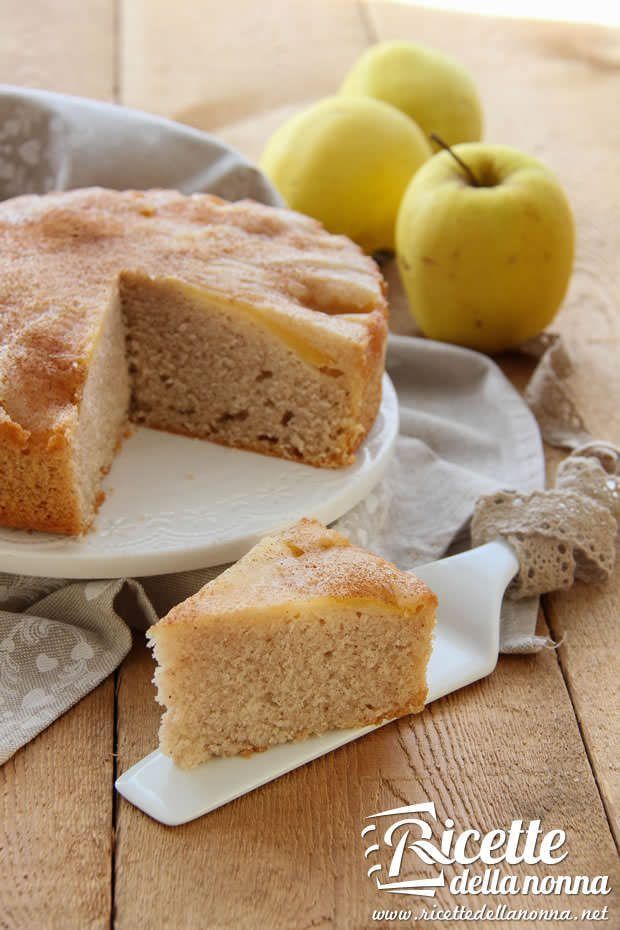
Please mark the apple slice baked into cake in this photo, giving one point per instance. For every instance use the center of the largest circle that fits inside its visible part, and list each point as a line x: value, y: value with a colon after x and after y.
x: 306, y: 633
x: 236, y: 322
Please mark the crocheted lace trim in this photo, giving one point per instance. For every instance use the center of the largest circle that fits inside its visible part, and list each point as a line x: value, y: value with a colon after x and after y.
x: 562, y: 534
x: 549, y: 396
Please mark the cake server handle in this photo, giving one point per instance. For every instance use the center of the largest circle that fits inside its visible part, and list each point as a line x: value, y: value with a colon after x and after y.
x: 470, y: 588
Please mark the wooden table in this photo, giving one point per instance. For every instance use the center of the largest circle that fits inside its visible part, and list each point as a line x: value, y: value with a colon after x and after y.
x: 537, y: 739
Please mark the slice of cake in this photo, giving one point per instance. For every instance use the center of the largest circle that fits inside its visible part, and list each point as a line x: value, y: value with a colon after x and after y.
x: 306, y: 633
x: 240, y: 323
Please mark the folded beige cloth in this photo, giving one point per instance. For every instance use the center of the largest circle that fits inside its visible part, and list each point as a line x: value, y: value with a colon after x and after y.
x: 465, y: 432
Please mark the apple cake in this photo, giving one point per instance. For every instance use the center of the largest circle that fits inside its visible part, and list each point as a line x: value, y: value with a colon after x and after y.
x: 306, y: 633
x: 239, y: 323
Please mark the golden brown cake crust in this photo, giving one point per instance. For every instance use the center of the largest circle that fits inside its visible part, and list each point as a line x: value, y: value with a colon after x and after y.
x: 305, y: 561
x: 62, y: 254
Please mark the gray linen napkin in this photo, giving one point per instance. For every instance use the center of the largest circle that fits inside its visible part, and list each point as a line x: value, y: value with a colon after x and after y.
x: 465, y: 431
x: 57, y: 142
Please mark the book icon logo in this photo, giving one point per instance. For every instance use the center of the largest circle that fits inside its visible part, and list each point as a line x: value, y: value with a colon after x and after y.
x: 398, y: 832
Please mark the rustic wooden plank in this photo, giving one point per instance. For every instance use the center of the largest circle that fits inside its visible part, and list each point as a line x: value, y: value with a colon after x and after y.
x: 68, y: 46
x: 551, y: 89
x: 584, y: 621
x: 290, y: 855
x: 56, y: 823
x: 56, y: 793
x: 218, y: 65
x: 586, y: 625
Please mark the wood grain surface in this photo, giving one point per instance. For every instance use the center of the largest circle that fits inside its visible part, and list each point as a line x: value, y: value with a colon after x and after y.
x: 67, y: 46
x: 56, y: 823
x: 539, y: 738
x: 533, y: 78
x: 56, y: 796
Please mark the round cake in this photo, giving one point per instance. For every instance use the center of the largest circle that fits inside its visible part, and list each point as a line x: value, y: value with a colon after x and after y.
x: 239, y: 323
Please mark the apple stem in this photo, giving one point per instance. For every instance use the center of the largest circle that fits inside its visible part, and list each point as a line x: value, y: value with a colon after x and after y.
x: 473, y: 180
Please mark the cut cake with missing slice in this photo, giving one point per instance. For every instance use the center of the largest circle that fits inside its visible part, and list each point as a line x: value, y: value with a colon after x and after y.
x: 239, y: 323
x: 306, y: 633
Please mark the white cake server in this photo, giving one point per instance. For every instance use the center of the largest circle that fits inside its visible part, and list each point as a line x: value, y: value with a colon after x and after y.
x: 469, y: 588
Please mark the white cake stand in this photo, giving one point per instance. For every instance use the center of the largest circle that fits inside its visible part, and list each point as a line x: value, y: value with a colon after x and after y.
x: 174, y: 504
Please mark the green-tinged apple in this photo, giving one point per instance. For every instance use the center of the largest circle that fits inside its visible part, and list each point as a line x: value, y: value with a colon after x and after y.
x: 347, y: 162
x: 485, y: 242
x: 430, y: 87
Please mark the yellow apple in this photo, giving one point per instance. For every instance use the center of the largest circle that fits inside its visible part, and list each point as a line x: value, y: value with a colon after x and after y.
x: 485, y: 248
x: 431, y: 88
x: 347, y: 163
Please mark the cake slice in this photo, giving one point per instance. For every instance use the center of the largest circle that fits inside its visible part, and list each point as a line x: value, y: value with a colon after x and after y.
x: 306, y: 633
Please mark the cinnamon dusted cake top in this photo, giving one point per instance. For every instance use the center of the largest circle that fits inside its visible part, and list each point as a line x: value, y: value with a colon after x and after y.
x: 62, y: 254
x: 306, y: 562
